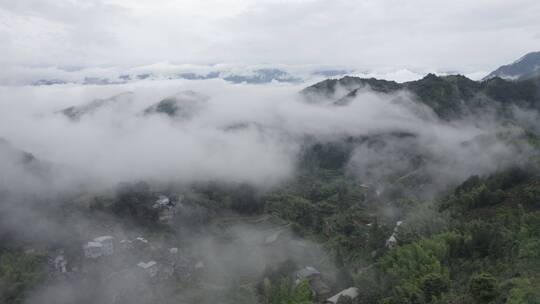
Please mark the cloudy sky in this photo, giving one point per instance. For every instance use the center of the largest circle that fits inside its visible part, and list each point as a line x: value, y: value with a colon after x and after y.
x: 459, y: 35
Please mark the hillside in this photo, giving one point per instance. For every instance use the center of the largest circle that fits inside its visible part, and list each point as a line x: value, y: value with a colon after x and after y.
x: 77, y: 112
x: 448, y: 96
x: 487, y: 252
x: 525, y: 67
x: 183, y: 105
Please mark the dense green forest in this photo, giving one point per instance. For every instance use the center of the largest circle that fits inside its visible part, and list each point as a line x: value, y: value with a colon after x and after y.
x: 478, y: 244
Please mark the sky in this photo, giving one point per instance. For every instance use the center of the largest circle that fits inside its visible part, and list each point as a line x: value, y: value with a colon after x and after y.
x: 459, y: 35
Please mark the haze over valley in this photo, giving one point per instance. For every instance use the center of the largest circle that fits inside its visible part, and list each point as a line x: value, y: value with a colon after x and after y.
x: 200, y: 152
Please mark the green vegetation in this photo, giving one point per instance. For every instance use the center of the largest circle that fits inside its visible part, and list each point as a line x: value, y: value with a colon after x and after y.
x: 489, y: 253
x: 478, y: 244
x: 283, y: 292
x: 449, y: 96
x: 278, y: 287
x: 19, y: 272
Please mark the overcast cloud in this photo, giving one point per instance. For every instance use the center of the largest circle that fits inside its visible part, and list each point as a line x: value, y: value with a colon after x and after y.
x: 461, y: 35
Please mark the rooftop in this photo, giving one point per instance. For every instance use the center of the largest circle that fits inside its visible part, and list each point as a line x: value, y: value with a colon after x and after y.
x: 307, y: 272
x: 93, y: 244
x: 141, y: 239
x: 351, y: 292
x: 103, y: 238
x: 146, y: 265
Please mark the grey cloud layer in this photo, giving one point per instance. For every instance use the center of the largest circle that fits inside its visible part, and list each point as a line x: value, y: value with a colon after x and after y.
x: 243, y: 133
x: 461, y: 35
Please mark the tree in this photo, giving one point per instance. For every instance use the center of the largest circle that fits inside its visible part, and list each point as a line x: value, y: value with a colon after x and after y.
x: 302, y: 294
x: 416, y: 271
x: 483, y: 288
x: 19, y: 272
x: 282, y: 292
x: 523, y: 293
x: 433, y: 285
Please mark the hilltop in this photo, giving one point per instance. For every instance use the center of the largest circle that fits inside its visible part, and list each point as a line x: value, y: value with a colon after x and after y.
x: 448, y: 96
x: 525, y: 67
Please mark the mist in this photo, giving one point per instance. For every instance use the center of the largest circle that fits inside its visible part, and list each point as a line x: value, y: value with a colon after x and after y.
x: 242, y: 133
x: 56, y: 159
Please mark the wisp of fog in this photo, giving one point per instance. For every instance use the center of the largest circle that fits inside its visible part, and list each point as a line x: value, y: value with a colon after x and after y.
x: 240, y: 133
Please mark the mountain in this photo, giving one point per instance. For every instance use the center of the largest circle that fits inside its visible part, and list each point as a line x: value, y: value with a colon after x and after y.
x: 47, y: 82
x: 76, y: 112
x: 262, y: 76
x: 332, y: 72
x: 257, y: 76
x: 251, y: 76
x: 16, y: 155
x: 22, y: 169
x: 183, y: 105
x: 448, y: 96
x: 525, y: 67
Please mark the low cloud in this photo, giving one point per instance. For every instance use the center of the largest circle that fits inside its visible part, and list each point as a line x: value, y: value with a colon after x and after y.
x: 239, y: 133
x: 244, y: 133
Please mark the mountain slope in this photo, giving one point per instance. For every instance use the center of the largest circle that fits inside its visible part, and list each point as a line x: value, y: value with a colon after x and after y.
x: 22, y: 171
x: 526, y: 67
x: 448, y: 96
x: 487, y: 253
x: 76, y: 112
x: 184, y: 105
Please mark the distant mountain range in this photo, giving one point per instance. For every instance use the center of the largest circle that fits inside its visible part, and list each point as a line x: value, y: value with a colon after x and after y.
x: 256, y: 76
x: 525, y: 67
x: 449, y: 96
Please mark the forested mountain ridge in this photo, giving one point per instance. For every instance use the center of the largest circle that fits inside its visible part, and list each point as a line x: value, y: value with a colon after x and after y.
x: 472, y: 243
x: 448, y: 96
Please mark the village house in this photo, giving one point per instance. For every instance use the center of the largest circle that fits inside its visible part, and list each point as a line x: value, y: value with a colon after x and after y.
x: 391, y: 242
x: 126, y: 244
x: 141, y: 240
x: 319, y: 289
x: 60, y: 263
x: 162, y: 201
x: 165, y: 207
x: 107, y: 243
x: 306, y: 273
x: 351, y: 292
x: 150, y: 268
x: 93, y: 250
x: 140, y: 243
x: 99, y: 246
